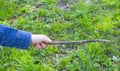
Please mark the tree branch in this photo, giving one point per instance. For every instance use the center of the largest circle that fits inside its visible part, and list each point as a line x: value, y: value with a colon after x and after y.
x: 79, y: 42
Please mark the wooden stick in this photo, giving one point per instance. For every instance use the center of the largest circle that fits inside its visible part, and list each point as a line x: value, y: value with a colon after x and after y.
x: 79, y: 42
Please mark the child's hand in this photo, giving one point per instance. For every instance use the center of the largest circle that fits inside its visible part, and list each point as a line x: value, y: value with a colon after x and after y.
x: 40, y: 41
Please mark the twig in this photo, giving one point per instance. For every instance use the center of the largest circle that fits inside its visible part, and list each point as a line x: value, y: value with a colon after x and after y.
x: 79, y: 42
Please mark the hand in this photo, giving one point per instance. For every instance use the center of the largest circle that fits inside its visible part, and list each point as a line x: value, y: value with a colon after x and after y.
x: 40, y: 41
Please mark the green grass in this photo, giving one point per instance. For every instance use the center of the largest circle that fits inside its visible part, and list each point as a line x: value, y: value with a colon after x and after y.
x: 79, y: 20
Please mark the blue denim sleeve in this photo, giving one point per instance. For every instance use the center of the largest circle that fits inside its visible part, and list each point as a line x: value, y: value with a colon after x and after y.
x: 14, y: 38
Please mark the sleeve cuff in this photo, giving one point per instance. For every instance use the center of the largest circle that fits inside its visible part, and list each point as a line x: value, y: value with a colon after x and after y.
x: 23, y: 39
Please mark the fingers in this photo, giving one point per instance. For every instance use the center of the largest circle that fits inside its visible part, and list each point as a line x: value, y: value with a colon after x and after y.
x: 43, y: 45
x: 39, y: 46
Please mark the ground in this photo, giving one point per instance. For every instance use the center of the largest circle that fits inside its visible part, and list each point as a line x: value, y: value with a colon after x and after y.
x: 64, y: 20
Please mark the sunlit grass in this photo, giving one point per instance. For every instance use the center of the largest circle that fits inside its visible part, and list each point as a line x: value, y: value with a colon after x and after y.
x: 77, y: 20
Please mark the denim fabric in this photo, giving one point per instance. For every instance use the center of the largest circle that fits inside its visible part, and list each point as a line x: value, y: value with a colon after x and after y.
x: 14, y: 38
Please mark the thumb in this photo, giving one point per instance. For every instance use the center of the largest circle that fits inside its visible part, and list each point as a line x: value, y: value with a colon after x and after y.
x: 40, y: 38
x: 45, y: 39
